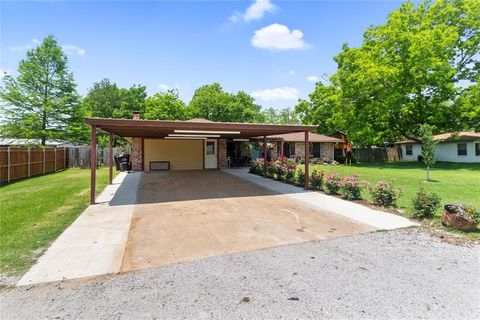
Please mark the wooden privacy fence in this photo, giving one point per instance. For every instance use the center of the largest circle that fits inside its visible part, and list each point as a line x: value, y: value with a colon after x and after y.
x: 79, y: 157
x: 377, y: 154
x: 18, y: 163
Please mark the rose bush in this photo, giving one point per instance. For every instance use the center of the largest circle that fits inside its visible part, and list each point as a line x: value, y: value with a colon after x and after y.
x: 351, y: 187
x: 384, y: 194
x: 332, y: 183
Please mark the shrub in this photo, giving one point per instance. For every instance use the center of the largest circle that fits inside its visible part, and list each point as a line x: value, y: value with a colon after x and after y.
x: 351, y: 187
x: 384, y: 194
x: 316, y: 180
x: 289, y: 169
x: 256, y: 166
x: 332, y: 183
x: 300, y: 177
x: 425, y: 204
x: 273, y: 168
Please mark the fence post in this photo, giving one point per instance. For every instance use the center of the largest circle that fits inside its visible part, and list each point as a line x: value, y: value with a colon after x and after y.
x: 44, y: 160
x: 29, y: 164
x: 8, y: 164
x: 55, y: 167
x: 64, y: 158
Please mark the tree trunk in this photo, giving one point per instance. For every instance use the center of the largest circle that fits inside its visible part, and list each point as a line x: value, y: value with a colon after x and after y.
x: 428, y: 173
x: 44, y: 127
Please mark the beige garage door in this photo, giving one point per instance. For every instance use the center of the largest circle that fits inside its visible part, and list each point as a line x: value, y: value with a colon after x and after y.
x: 182, y: 154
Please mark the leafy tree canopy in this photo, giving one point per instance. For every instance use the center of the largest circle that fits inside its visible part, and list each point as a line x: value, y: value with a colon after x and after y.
x: 165, y: 106
x: 106, y: 100
x: 41, y: 101
x: 283, y: 116
x: 408, y: 72
x: 212, y: 103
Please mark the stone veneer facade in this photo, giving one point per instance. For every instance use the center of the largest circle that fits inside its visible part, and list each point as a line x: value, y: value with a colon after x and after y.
x: 326, y: 150
x: 137, y: 154
x: 222, y: 153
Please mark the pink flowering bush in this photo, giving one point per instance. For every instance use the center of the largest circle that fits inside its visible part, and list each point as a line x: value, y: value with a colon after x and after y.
x: 385, y: 194
x: 351, y: 187
x: 289, y: 172
x: 316, y: 180
x: 300, y: 180
x: 256, y: 166
x: 332, y: 183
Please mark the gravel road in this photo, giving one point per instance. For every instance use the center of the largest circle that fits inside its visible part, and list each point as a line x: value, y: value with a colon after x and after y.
x: 389, y: 275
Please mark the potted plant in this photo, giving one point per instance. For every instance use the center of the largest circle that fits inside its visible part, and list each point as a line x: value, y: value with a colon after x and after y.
x: 460, y: 216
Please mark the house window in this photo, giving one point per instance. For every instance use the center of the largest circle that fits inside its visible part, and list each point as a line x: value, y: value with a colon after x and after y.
x: 210, y: 147
x: 477, y: 149
x: 462, y: 149
x: 408, y: 150
x: 316, y: 150
x: 288, y: 149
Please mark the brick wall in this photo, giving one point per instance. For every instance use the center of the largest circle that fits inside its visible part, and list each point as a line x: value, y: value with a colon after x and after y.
x: 222, y: 153
x: 300, y: 150
x: 137, y: 154
x: 273, y: 151
x: 326, y: 150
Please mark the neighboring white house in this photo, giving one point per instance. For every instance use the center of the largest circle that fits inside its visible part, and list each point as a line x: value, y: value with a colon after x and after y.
x: 461, y: 147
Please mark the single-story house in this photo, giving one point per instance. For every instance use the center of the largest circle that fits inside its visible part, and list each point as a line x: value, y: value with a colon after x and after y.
x: 292, y: 145
x: 461, y: 147
x: 195, y: 144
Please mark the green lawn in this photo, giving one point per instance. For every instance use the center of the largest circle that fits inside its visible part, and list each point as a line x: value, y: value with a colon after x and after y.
x: 34, y: 212
x: 453, y: 182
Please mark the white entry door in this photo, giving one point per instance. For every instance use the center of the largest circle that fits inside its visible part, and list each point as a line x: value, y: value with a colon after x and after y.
x: 211, y: 154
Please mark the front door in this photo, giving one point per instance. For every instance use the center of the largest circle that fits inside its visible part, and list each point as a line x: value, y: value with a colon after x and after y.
x: 211, y: 154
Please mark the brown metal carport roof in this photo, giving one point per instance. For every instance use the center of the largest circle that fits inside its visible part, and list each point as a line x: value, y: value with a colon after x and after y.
x: 161, y: 128
x: 136, y: 128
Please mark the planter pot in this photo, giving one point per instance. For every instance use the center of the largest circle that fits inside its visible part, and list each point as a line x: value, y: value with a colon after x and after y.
x: 452, y: 219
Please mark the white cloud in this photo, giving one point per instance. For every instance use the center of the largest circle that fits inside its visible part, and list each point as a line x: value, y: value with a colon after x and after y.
x: 254, y: 12
x: 291, y: 72
x: 70, y: 48
x: 278, y: 37
x: 164, y: 87
x: 313, y: 78
x: 283, y: 93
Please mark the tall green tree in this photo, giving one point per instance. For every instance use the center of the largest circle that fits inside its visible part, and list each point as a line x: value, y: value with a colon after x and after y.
x: 407, y: 72
x: 40, y: 101
x: 213, y: 103
x: 429, y: 146
x: 282, y: 116
x: 106, y: 100
x: 469, y: 106
x: 165, y: 106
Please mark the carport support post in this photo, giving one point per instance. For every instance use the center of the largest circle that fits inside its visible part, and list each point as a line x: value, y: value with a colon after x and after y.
x: 307, y: 160
x: 93, y: 163
x: 265, y: 155
x: 110, y: 158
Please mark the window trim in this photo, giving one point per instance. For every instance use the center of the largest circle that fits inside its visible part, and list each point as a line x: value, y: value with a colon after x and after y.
x: 409, y: 152
x: 458, y: 150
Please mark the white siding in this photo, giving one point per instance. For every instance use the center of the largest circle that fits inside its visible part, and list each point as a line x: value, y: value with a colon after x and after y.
x: 446, y: 151
x: 416, y: 151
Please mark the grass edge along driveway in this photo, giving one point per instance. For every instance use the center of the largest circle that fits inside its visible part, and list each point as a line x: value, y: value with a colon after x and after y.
x: 34, y: 212
x: 453, y: 182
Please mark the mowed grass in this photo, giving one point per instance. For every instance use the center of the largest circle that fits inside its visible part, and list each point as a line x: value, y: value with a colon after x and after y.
x: 35, y: 212
x: 453, y: 182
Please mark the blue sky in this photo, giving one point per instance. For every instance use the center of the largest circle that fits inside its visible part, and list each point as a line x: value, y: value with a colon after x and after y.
x: 274, y: 50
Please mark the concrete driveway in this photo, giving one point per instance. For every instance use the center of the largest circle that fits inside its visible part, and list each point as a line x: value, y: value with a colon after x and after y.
x: 153, y: 219
x: 185, y: 215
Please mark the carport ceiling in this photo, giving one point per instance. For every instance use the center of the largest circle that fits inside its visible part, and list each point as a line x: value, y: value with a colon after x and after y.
x: 161, y: 129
